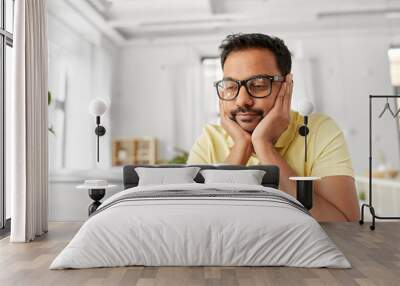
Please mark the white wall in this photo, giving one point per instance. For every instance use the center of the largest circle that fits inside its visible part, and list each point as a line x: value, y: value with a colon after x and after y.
x: 346, y: 66
x: 81, y: 68
x: 155, y: 85
x: 155, y: 88
x: 158, y: 92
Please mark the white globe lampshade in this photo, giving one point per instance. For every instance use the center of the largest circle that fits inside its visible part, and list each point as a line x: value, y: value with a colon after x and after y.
x: 305, y: 107
x: 97, y: 107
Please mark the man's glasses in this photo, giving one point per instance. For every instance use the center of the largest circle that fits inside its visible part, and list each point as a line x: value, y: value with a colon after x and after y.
x: 257, y: 86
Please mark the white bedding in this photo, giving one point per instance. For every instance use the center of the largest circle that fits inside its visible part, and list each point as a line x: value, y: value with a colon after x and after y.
x: 200, y: 231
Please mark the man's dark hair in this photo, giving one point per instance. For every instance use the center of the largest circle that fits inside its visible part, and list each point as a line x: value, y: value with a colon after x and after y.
x: 238, y: 42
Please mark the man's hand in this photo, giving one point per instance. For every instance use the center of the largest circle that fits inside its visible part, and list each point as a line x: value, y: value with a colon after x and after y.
x: 242, y: 148
x: 238, y: 134
x: 277, y: 120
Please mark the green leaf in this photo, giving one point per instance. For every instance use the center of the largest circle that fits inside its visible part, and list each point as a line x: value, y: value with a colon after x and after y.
x: 181, y: 158
x: 51, y: 130
x: 48, y: 97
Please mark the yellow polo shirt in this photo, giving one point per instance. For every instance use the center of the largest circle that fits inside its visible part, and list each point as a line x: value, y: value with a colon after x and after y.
x: 327, y: 153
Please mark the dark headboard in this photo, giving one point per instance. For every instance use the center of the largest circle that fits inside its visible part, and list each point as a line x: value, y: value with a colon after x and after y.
x: 270, y: 179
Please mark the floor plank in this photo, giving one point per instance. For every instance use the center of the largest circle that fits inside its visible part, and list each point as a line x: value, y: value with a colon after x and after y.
x: 374, y: 255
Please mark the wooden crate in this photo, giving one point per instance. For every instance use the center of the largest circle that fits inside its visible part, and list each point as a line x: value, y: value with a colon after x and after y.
x: 136, y: 150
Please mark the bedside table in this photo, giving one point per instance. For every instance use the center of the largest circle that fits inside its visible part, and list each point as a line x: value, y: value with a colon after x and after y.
x: 96, y: 190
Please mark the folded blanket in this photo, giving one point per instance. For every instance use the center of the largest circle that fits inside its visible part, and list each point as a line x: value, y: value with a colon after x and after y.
x: 205, y: 193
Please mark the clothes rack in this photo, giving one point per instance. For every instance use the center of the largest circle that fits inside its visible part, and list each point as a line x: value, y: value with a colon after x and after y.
x: 370, y: 204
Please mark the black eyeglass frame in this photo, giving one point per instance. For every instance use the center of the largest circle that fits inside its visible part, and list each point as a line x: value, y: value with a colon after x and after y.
x: 240, y: 83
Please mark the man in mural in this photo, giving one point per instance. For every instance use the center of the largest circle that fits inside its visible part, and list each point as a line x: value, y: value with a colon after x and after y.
x: 258, y: 127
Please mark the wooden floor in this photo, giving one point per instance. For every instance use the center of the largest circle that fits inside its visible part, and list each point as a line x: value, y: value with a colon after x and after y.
x: 375, y: 257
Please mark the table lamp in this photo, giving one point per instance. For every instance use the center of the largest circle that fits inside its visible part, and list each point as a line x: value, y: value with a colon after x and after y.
x: 97, y: 108
x: 304, y: 185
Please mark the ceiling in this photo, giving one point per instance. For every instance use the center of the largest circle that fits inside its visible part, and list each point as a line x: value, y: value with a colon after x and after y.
x: 125, y: 20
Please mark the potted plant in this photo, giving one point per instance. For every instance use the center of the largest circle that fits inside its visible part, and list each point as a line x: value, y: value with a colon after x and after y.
x: 362, y: 197
x: 180, y: 158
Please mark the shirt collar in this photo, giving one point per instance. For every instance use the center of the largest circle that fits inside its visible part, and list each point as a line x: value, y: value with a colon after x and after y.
x: 286, y: 137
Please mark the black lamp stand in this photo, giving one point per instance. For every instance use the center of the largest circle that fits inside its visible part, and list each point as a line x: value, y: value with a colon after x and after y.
x: 304, y: 188
x: 100, y: 131
x: 96, y: 195
x: 304, y: 193
x: 303, y: 131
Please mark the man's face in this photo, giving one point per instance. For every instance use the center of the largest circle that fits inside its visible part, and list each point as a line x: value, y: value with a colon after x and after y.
x: 248, y: 111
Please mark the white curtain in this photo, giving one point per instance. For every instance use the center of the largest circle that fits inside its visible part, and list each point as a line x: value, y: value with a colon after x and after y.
x: 27, y: 119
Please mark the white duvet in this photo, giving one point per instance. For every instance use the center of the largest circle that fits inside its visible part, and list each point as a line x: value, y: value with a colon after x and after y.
x: 200, y: 231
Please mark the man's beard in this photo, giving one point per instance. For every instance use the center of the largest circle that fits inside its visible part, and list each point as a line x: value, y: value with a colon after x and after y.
x: 257, y: 112
x: 240, y: 109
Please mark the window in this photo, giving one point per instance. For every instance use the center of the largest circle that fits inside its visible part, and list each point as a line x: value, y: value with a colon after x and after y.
x: 394, y: 65
x: 394, y: 61
x: 212, y: 72
x: 6, y: 43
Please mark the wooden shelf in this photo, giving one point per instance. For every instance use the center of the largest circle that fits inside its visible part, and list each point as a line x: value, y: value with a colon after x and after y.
x: 136, y: 150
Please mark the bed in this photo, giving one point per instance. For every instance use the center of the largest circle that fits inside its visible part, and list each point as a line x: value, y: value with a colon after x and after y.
x: 201, y: 224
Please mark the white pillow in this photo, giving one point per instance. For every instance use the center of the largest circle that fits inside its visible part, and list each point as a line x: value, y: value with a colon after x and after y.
x: 162, y: 176
x: 249, y: 177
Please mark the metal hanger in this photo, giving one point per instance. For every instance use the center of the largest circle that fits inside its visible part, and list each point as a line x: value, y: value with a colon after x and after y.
x: 387, y: 107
